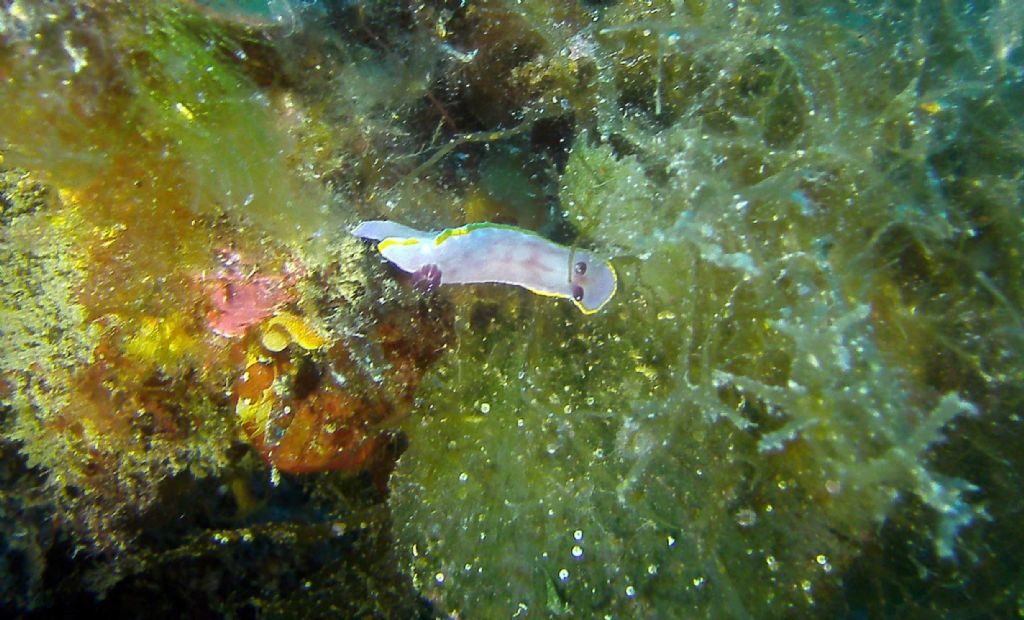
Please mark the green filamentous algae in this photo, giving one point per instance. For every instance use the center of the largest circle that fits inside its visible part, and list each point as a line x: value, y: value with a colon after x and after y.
x: 800, y: 397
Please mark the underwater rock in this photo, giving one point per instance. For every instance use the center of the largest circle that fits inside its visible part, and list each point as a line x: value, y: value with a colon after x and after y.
x: 161, y: 159
x: 307, y: 413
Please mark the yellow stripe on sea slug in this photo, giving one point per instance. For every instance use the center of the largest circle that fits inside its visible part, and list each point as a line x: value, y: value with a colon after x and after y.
x: 451, y: 232
x: 468, y: 228
x: 392, y: 241
x: 547, y: 293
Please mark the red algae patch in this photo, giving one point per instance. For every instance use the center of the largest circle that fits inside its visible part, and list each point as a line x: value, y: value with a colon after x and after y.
x: 241, y: 297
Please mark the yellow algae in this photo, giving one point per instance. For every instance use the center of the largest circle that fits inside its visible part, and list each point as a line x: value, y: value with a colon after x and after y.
x: 255, y: 412
x: 275, y: 338
x: 254, y: 390
x: 164, y: 341
x: 285, y: 328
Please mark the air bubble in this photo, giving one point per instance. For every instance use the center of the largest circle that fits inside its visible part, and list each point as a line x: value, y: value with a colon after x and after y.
x: 746, y: 517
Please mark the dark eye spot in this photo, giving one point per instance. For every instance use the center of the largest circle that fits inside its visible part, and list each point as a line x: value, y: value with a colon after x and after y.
x: 577, y: 292
x: 580, y: 268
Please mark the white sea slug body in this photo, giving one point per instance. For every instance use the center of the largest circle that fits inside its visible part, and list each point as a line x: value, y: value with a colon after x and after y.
x: 484, y: 252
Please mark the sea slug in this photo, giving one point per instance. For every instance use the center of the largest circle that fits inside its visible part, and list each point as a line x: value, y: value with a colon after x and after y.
x: 485, y: 252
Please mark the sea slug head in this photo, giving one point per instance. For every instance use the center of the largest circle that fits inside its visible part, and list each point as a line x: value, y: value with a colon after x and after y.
x: 593, y: 282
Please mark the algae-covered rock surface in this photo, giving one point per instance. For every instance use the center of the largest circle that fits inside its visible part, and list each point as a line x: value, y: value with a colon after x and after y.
x: 802, y: 400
